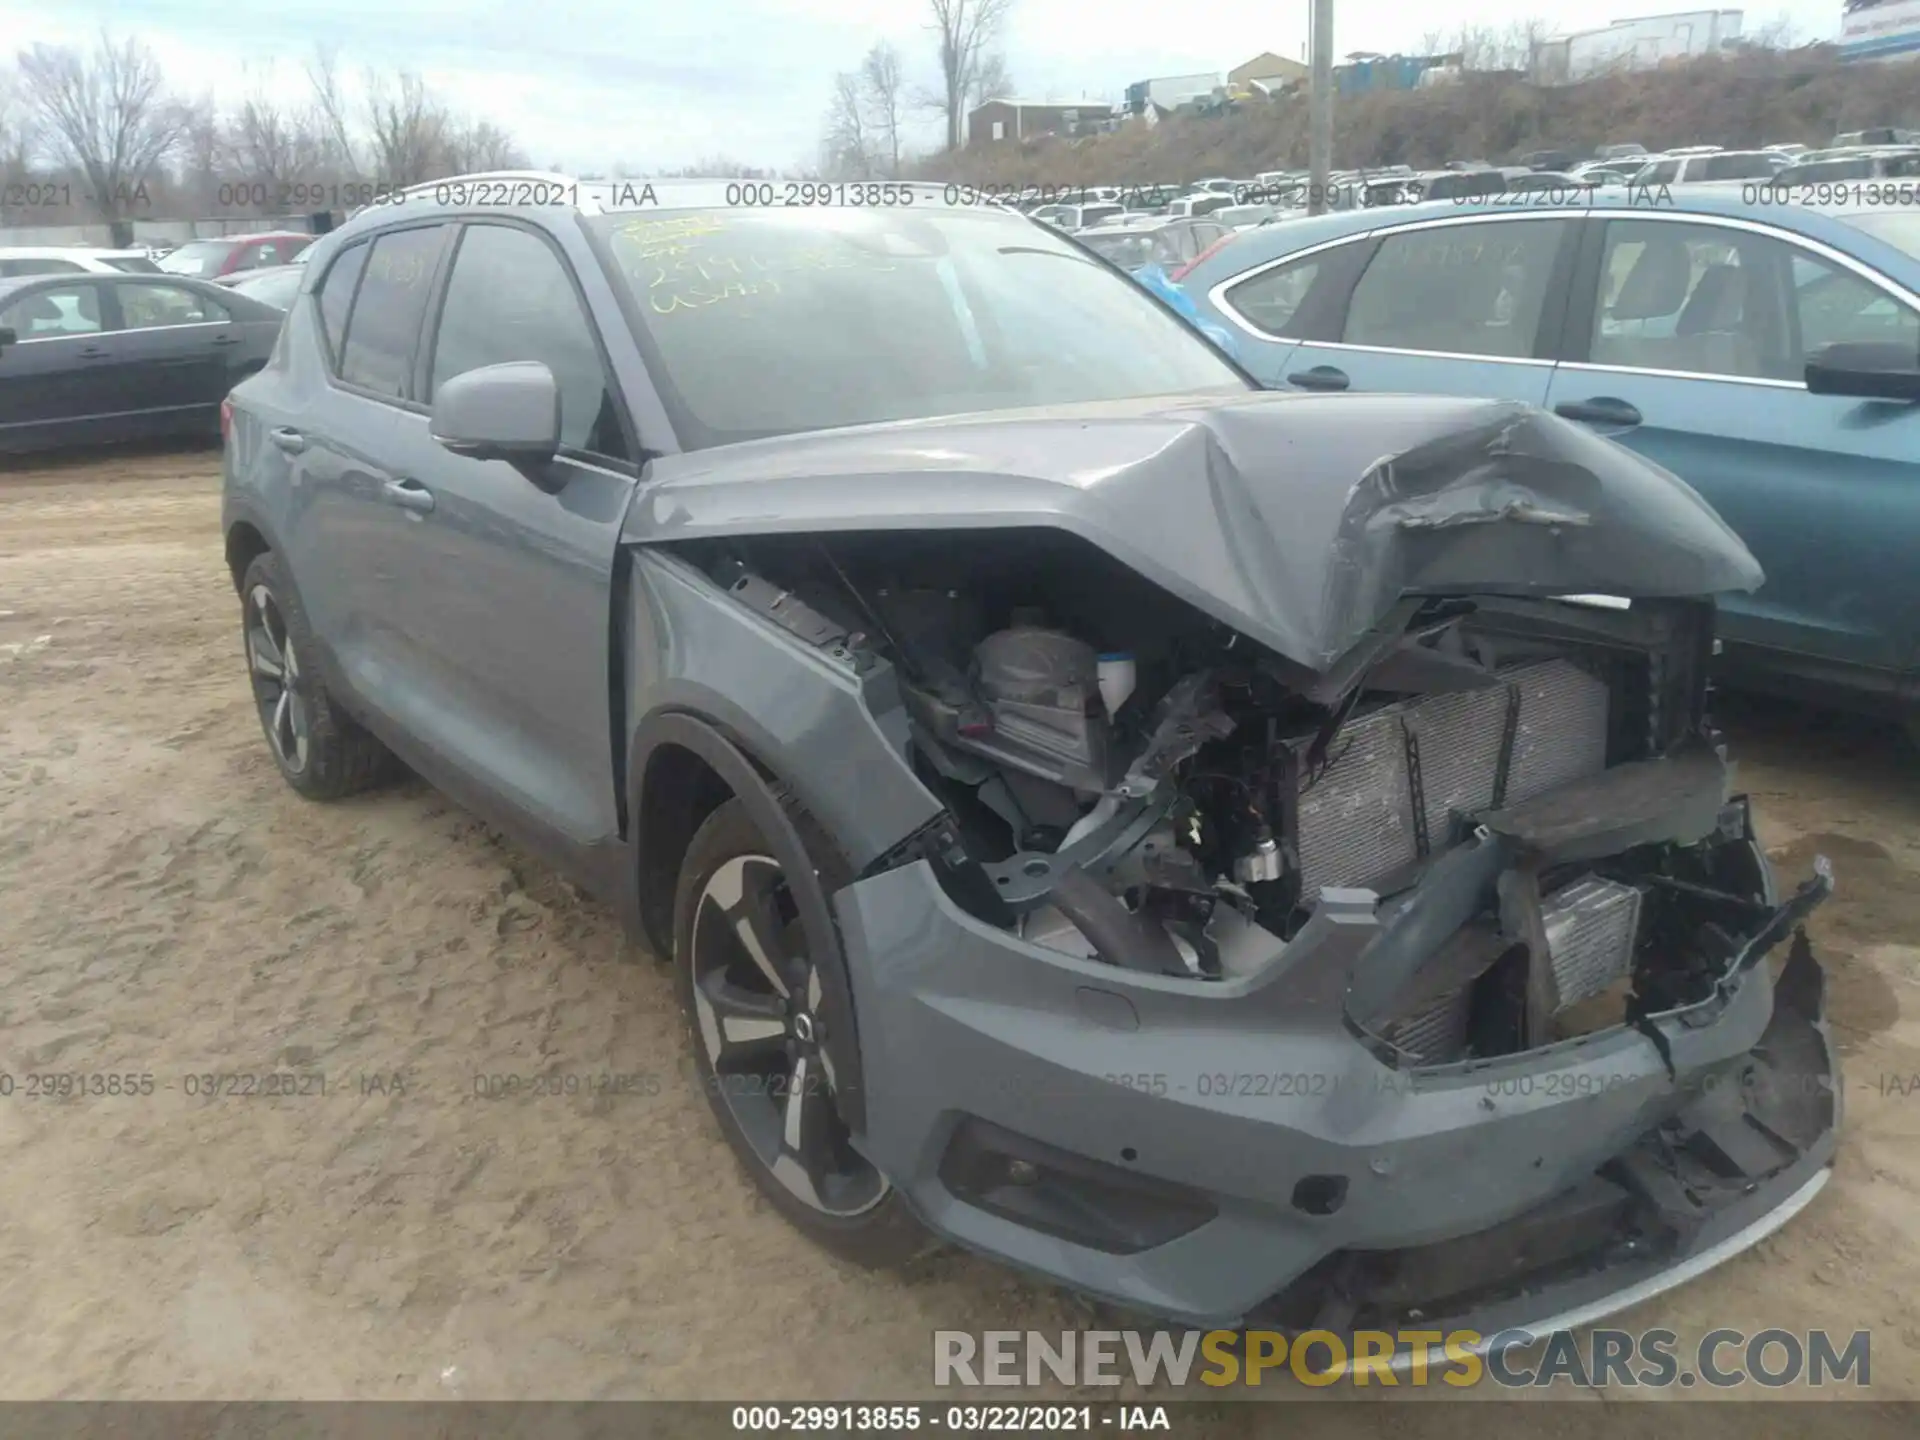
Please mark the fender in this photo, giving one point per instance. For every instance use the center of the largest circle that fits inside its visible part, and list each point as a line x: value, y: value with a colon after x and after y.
x: 762, y: 797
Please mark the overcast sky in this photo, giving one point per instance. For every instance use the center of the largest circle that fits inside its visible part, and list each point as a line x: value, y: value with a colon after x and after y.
x: 592, y: 83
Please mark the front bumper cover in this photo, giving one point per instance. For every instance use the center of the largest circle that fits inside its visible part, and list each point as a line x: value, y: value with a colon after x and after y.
x: 1323, y: 1187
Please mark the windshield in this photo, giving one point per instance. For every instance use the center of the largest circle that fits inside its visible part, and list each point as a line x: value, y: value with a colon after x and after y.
x: 198, y: 257
x: 1899, y: 228
x: 769, y: 323
x: 132, y: 264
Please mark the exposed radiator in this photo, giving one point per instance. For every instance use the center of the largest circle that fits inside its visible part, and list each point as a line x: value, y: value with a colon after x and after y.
x: 1591, y: 925
x: 1436, y: 1033
x: 1358, y: 821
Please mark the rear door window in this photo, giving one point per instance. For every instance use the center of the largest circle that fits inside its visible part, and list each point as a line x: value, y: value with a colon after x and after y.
x: 54, y: 312
x: 390, y: 310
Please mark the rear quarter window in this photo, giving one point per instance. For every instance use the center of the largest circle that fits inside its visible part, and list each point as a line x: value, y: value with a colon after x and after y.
x: 336, y: 296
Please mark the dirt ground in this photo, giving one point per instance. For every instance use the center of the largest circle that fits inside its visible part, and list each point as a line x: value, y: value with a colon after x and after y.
x: 168, y: 908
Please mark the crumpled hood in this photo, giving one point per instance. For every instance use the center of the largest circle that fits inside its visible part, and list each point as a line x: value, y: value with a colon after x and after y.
x: 1297, y: 519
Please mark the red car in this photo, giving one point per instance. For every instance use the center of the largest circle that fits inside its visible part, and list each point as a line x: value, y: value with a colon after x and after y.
x: 228, y: 254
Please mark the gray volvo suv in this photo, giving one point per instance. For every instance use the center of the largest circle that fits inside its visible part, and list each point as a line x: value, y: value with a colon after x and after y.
x: 1251, y: 857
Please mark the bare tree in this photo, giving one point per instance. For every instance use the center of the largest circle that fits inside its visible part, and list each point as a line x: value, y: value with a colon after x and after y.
x: 409, y: 129
x: 713, y: 167
x: 1486, y: 47
x: 330, y: 107
x: 108, y: 115
x: 16, y: 133
x: 883, y: 82
x: 202, y: 154
x: 990, y: 82
x: 277, y: 144
x: 965, y: 31
x: 481, y: 145
x: 849, y: 150
x: 1779, y: 33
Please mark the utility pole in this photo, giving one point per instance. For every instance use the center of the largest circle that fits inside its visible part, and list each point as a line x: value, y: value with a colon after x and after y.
x: 1320, y: 104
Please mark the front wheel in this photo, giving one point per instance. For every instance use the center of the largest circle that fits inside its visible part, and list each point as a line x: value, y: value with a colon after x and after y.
x: 751, y: 994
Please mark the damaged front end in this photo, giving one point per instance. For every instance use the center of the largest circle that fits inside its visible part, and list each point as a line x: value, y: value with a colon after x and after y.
x: 1417, y: 971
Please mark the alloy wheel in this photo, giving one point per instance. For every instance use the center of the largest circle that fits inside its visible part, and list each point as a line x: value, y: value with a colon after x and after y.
x: 274, y: 667
x: 757, y: 998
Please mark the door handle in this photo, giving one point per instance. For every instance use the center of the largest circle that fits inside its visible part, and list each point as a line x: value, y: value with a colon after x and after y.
x: 93, y: 352
x: 291, y: 441
x: 409, y: 495
x: 225, y: 340
x: 1320, y: 377
x: 1599, y: 410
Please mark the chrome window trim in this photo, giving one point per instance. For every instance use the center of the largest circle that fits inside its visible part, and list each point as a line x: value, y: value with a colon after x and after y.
x: 68, y: 335
x: 189, y: 325
x: 1590, y: 367
x: 1895, y: 291
x: 1422, y: 354
x: 1217, y: 295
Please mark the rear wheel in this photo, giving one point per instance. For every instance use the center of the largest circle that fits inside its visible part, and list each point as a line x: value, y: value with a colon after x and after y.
x: 321, y: 752
x: 752, y: 994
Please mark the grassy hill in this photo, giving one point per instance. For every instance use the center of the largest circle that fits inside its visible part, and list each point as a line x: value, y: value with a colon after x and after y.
x: 1749, y: 99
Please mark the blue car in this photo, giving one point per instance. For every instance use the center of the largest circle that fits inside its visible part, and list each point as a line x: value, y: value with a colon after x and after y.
x: 1768, y: 354
x: 1157, y: 255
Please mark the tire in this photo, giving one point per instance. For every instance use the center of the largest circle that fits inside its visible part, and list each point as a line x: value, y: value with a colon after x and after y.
x: 773, y: 1085
x: 321, y: 752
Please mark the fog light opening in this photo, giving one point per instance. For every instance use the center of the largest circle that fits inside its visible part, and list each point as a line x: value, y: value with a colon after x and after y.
x: 1320, y: 1194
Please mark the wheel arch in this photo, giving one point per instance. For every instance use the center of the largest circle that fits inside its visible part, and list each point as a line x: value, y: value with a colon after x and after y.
x: 682, y: 767
x: 245, y: 543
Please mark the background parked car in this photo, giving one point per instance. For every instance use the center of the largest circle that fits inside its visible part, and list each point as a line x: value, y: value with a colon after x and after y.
x: 1244, y: 217
x: 209, y: 259
x: 1900, y: 163
x: 1767, y: 354
x: 275, y: 286
x: 1172, y: 245
x: 17, y: 260
x: 1076, y: 217
x: 100, y: 358
x: 1877, y: 135
x: 1694, y: 164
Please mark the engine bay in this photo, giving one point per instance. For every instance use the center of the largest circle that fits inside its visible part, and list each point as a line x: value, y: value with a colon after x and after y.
x: 1134, y: 783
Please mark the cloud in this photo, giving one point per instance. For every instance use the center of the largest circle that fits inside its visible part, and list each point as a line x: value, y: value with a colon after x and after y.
x: 591, y: 83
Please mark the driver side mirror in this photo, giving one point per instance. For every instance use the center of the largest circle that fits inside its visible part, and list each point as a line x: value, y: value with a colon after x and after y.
x: 1865, y: 370
x: 505, y: 412
x: 8, y: 336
